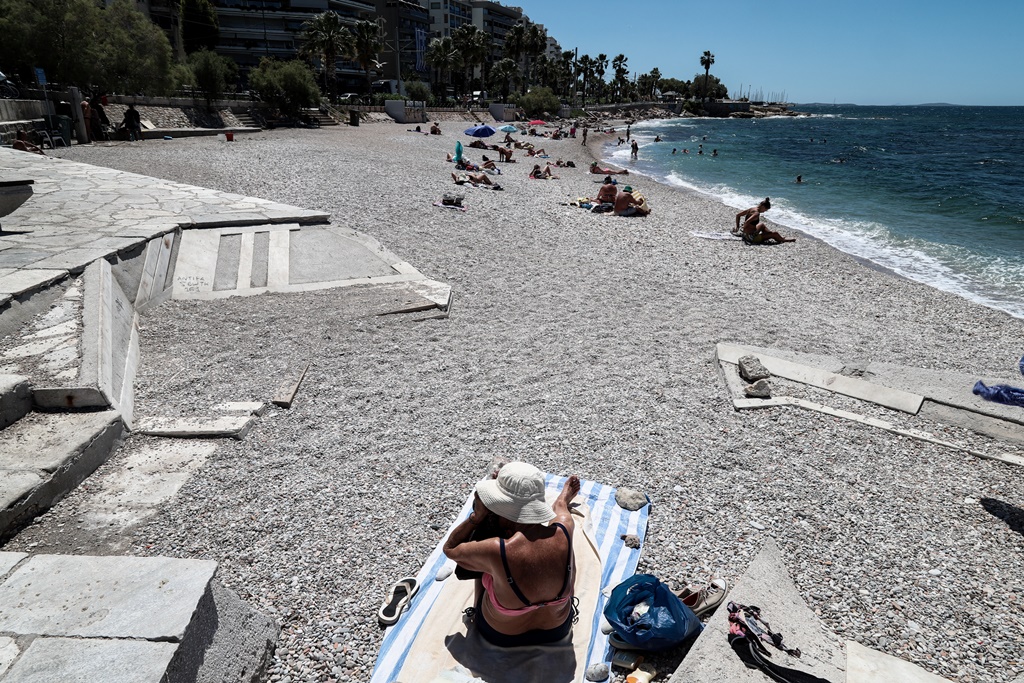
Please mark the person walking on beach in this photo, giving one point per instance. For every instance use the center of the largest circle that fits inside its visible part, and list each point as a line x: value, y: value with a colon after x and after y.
x: 585, y: 129
x: 634, y: 149
x: 754, y: 230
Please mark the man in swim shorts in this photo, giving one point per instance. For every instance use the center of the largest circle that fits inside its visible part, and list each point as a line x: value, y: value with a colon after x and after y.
x: 754, y: 230
x: 528, y: 569
x: 626, y: 204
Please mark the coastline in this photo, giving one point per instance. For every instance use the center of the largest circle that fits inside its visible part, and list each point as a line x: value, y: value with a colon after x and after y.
x: 584, y: 344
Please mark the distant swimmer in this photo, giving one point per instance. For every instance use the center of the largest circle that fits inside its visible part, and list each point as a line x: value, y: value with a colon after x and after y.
x: 657, y: 138
x: 754, y: 230
x: 714, y: 152
x: 799, y: 178
x: 674, y: 150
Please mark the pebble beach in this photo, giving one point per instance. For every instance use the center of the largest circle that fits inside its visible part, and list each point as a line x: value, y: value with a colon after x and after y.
x: 583, y: 344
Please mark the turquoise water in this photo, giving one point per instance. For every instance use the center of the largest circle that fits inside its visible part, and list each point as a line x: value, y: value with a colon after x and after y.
x: 934, y: 193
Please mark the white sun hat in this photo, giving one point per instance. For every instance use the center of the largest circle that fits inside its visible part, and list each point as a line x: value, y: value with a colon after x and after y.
x: 517, y: 494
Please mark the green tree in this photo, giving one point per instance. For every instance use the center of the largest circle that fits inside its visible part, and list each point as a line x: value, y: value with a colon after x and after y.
x: 710, y: 86
x: 503, y: 74
x: 444, y: 57
x: 539, y: 101
x: 535, y: 46
x: 135, y: 55
x: 706, y: 60
x: 211, y: 74
x: 199, y: 27
x: 600, y: 67
x: 289, y: 86
x: 417, y: 91
x: 586, y: 69
x: 621, y: 79
x: 474, y: 45
x: 365, y: 48
x: 326, y: 38
x: 57, y: 35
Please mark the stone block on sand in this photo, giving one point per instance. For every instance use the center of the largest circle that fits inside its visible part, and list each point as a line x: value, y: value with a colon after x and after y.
x: 766, y: 584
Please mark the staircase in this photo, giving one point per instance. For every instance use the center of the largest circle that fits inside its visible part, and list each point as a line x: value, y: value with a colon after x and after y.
x: 320, y: 118
x: 246, y: 120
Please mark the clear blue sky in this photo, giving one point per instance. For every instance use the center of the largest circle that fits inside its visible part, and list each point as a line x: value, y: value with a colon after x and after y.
x: 866, y: 52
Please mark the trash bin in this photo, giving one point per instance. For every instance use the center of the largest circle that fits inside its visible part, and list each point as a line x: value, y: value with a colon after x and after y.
x: 64, y: 126
x: 353, y: 117
x: 59, y: 123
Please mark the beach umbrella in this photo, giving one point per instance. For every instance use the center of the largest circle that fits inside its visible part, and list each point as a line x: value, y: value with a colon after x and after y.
x: 537, y: 122
x: 483, y: 131
x: 508, y: 129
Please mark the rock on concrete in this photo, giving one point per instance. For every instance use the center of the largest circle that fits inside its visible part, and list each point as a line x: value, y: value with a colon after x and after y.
x: 751, y: 369
x: 759, y: 389
x: 766, y: 584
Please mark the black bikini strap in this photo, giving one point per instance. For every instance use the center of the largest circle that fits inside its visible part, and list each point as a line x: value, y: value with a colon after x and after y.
x: 508, y: 576
x: 568, y: 561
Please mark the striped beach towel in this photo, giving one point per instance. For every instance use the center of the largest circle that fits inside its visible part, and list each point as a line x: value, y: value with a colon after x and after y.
x: 608, y: 523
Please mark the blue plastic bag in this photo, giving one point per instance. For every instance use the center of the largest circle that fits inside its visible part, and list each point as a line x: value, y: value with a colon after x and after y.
x: 666, y: 623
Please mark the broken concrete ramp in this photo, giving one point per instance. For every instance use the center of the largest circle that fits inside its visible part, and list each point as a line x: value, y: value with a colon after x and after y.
x: 766, y: 584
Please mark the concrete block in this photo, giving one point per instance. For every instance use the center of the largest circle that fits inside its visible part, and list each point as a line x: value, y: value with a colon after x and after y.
x: 151, y: 598
x: 28, y: 280
x: 278, y: 259
x: 242, y: 645
x: 9, y: 651
x: 896, y: 399
x: 235, y: 426
x: 72, y: 660
x: 319, y: 255
x: 51, y: 463
x: 864, y: 665
x: 766, y: 584
x: 109, y: 339
x: 68, y: 398
x: 286, y: 391
x: 248, y: 407
x: 9, y: 561
x: 196, y: 263
x: 15, y: 399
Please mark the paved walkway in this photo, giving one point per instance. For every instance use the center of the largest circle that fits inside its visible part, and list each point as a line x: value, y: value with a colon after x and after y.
x: 80, y: 213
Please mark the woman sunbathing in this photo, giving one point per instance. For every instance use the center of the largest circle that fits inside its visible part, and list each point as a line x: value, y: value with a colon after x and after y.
x: 477, y: 178
x: 536, y: 152
x: 594, y: 168
x: 528, y: 570
x: 542, y: 174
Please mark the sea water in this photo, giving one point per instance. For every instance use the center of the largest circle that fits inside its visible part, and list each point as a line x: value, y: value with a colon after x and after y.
x: 933, y: 193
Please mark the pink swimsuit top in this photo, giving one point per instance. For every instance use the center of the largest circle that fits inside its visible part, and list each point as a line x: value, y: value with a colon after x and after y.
x: 488, y: 583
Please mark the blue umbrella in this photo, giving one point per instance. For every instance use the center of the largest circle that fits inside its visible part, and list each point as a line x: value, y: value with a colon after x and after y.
x: 508, y: 129
x: 482, y: 131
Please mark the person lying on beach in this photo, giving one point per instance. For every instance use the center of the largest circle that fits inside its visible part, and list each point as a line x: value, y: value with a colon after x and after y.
x: 465, y: 164
x: 21, y: 143
x: 594, y: 168
x: 477, y: 178
x: 536, y: 152
x: 627, y: 205
x: 435, y: 129
x: 480, y: 144
x: 754, y: 230
x: 545, y: 173
x: 527, y: 568
x: 522, y: 145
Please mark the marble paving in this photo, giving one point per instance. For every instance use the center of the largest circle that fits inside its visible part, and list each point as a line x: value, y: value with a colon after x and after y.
x: 79, y: 213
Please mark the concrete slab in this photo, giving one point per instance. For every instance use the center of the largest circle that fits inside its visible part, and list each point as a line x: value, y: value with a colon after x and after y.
x: 47, y: 441
x: 285, y: 394
x: 896, y: 399
x: 144, y: 478
x: 15, y: 399
x: 9, y: 651
x: 196, y: 263
x: 319, y: 255
x: 278, y: 259
x: 996, y: 427
x: 766, y: 584
x: 29, y: 280
x: 16, y: 485
x: 88, y: 661
x: 247, y: 407
x: 150, y: 598
x: 68, y: 398
x: 864, y: 665
x: 9, y: 560
x: 234, y: 426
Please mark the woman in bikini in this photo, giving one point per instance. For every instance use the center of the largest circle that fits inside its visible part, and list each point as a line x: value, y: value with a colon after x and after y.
x: 525, y: 591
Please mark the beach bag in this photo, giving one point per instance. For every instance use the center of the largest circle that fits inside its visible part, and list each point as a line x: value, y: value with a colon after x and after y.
x: 646, y: 614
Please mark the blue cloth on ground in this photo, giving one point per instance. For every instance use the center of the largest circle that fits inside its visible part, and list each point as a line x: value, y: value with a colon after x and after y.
x: 1002, y: 393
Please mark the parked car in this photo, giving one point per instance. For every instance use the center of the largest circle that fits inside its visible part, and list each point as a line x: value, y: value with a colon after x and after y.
x: 350, y: 98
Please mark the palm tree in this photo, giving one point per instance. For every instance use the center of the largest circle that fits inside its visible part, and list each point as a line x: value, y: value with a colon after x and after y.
x: 706, y: 60
x: 536, y: 45
x: 325, y: 37
x: 443, y: 56
x: 621, y: 75
x: 600, y: 67
x: 365, y: 48
x: 655, y: 78
x: 586, y: 69
x: 503, y: 73
x: 474, y: 45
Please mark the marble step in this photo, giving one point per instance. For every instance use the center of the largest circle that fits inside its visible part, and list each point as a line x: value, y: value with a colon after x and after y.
x: 15, y: 399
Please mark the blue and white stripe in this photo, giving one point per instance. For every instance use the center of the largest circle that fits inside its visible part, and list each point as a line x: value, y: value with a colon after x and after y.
x: 609, y: 523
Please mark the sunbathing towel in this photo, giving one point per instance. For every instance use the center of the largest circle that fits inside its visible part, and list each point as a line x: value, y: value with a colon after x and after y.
x: 449, y: 206
x: 431, y: 637
x: 715, y: 235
